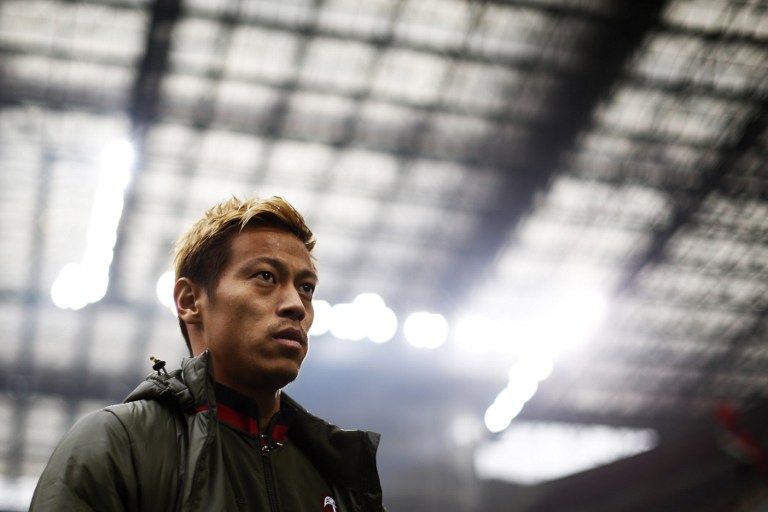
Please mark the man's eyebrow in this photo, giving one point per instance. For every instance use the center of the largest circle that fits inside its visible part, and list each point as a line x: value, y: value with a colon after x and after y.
x: 281, y: 266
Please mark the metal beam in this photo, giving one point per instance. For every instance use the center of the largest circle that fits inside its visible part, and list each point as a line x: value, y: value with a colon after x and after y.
x: 142, y: 110
x: 688, y: 204
x: 690, y: 201
x: 25, y: 361
x: 154, y: 62
x: 387, y: 40
x: 95, y: 100
x: 143, y: 107
x: 528, y: 174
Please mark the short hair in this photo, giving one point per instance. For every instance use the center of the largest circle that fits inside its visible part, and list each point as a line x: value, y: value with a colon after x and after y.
x: 201, y: 253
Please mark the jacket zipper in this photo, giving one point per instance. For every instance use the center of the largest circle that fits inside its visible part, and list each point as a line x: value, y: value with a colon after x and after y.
x: 266, y: 448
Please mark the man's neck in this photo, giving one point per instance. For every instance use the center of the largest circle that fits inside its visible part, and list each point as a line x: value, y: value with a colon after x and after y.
x: 268, y: 407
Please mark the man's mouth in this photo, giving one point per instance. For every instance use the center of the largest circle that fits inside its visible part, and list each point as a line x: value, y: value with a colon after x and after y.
x: 291, y: 335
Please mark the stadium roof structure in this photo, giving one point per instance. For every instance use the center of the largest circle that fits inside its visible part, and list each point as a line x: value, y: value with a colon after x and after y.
x: 496, y: 162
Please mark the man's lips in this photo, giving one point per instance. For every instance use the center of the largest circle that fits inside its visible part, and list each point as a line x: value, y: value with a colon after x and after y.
x: 292, y: 335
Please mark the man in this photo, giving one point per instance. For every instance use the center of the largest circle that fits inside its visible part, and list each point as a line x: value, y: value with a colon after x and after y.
x: 219, y: 434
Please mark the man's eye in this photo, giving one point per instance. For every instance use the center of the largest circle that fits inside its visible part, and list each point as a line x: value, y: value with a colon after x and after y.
x: 265, y: 276
x: 307, y: 288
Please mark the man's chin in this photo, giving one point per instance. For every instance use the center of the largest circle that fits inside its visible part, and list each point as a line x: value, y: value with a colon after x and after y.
x: 281, y: 377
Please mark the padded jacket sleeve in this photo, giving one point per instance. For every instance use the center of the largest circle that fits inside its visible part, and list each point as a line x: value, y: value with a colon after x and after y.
x: 90, y: 470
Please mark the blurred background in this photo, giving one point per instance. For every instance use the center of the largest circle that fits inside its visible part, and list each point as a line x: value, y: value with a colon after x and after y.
x: 542, y: 225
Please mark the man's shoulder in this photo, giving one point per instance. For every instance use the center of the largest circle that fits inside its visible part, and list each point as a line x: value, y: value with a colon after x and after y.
x: 108, y: 456
x: 121, y: 421
x: 143, y: 414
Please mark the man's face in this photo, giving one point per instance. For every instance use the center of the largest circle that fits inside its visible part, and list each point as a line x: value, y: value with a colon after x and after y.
x: 256, y: 322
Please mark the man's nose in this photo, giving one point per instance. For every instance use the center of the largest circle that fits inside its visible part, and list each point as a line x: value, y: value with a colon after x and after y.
x: 291, y: 305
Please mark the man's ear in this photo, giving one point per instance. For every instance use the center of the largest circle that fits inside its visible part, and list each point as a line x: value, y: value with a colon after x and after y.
x: 187, y: 295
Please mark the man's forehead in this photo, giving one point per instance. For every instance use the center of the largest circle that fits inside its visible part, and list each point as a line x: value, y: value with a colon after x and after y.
x: 270, y: 237
x: 260, y: 243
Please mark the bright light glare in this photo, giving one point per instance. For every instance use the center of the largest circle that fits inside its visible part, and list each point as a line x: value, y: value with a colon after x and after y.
x: 381, y: 321
x: 533, y: 452
x: 475, y: 334
x: 164, y: 290
x: 509, y: 402
x: 426, y: 330
x: 67, y: 290
x: 536, y: 367
x: 345, y: 324
x: 118, y: 155
x: 500, y: 415
x: 478, y: 334
x: 576, y: 314
x: 366, y: 317
x: 562, y: 324
x: 369, y: 302
x: 519, y: 390
x: 322, y: 322
x: 385, y: 326
x: 86, y: 282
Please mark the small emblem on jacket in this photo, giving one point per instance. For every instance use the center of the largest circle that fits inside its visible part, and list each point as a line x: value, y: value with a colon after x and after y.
x: 328, y: 504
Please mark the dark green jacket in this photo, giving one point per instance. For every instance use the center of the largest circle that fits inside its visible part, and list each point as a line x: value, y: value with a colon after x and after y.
x: 160, y: 451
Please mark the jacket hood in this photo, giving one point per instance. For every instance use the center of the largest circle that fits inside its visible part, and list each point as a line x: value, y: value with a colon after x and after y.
x: 185, y: 387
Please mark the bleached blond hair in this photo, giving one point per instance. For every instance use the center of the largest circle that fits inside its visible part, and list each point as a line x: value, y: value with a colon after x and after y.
x: 201, y: 253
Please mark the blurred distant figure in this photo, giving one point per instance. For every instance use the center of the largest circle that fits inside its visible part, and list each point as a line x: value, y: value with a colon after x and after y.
x: 218, y: 434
